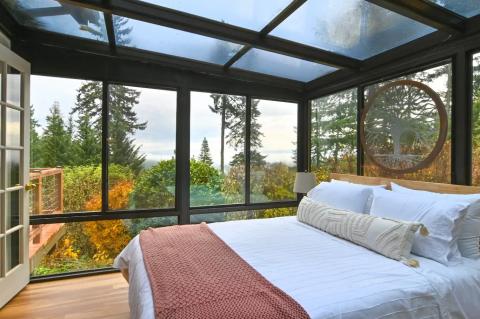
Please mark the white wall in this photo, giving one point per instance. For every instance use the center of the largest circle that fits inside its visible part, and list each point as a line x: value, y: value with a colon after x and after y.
x: 4, y: 40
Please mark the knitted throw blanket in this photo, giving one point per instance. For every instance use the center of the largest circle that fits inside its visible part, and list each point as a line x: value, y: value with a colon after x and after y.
x: 195, y: 275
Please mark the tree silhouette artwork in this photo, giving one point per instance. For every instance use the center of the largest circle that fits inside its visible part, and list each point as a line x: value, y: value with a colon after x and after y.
x: 403, y: 126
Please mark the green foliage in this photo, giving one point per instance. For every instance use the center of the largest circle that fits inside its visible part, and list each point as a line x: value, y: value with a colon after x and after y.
x: 55, y: 139
x: 36, y: 159
x: 155, y: 188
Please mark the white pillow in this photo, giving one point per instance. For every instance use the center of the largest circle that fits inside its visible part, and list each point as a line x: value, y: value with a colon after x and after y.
x: 438, y: 216
x: 391, y: 238
x: 468, y: 234
x: 368, y: 205
x: 343, y: 196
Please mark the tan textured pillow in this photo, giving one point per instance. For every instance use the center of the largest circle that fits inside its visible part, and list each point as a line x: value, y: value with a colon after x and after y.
x: 389, y: 237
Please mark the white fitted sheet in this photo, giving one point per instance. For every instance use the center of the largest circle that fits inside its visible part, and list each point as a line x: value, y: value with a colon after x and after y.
x: 331, y: 278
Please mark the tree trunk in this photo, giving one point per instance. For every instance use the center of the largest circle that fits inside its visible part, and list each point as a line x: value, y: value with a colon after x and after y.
x: 222, y: 138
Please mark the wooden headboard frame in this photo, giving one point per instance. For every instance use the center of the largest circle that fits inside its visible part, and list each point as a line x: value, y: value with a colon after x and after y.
x: 424, y: 186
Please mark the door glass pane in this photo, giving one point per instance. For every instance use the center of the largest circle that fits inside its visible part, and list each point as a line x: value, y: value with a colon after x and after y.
x: 14, y: 83
x: 13, y: 127
x: 13, y: 250
x: 273, y: 151
x: 253, y: 14
x: 142, y: 128
x: 152, y: 37
x: 1, y: 79
x: 13, y: 209
x: 217, y: 149
x: 13, y: 168
x: 65, y: 144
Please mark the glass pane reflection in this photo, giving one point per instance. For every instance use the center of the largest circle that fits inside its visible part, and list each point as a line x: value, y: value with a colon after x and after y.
x: 13, y: 168
x: 174, y: 42
x: 13, y: 127
x: 354, y: 28
x: 13, y: 209
x: 13, y: 250
x: 14, y: 83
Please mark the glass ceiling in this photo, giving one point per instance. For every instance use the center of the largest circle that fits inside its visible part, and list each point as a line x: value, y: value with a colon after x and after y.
x: 466, y: 8
x: 174, y: 42
x: 281, y: 65
x: 355, y: 28
x: 59, y: 17
x: 249, y: 14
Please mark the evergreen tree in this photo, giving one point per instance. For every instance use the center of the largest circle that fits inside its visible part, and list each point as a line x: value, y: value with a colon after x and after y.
x: 123, y: 121
x: 205, y: 156
x: 87, y: 145
x: 36, y: 160
x: 55, y: 139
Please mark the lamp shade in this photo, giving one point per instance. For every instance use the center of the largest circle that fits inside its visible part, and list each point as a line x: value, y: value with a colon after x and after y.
x: 304, y: 182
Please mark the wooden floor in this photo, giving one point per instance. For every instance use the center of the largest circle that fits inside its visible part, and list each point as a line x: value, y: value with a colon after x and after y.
x: 102, y: 296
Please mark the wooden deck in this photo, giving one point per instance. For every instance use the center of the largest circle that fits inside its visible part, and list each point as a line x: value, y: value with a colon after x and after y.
x: 99, y: 297
x: 49, y: 236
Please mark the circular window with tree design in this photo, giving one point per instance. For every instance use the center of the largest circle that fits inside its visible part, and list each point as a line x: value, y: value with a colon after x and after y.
x: 403, y: 126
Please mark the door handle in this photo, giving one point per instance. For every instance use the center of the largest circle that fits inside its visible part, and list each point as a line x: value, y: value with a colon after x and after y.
x: 30, y: 186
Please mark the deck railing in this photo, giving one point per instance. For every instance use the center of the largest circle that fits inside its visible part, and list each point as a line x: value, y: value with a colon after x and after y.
x: 46, y: 197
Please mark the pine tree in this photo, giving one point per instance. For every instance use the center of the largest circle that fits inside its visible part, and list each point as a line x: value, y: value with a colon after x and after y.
x: 205, y: 156
x: 123, y: 121
x: 87, y: 145
x: 55, y: 139
x: 36, y: 160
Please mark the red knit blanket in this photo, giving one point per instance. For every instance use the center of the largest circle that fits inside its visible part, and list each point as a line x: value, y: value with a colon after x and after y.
x: 195, y: 275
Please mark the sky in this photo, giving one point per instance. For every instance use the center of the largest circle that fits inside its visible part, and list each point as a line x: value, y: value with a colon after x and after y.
x: 158, y: 108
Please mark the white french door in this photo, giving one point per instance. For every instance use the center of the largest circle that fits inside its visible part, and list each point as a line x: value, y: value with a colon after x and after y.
x: 14, y: 173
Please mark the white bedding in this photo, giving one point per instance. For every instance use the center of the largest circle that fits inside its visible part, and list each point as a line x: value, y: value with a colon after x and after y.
x: 331, y: 278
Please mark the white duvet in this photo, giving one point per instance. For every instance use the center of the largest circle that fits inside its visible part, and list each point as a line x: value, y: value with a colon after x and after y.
x: 331, y: 278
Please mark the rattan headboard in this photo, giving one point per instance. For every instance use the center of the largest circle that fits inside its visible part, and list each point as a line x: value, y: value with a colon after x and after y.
x: 424, y: 186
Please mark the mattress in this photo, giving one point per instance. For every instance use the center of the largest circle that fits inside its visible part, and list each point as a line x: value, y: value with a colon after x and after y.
x: 329, y: 277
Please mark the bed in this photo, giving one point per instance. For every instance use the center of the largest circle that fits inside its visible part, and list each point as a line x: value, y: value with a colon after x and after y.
x: 329, y: 277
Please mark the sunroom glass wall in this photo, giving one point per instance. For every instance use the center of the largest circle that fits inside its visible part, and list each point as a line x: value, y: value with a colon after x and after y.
x: 142, y: 129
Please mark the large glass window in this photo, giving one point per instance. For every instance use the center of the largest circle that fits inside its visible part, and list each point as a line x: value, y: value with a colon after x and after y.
x: 58, y: 248
x: 217, y: 146
x: 333, y: 135
x: 476, y: 121
x: 243, y: 215
x: 406, y: 121
x: 142, y: 129
x: 65, y: 144
x: 273, y: 151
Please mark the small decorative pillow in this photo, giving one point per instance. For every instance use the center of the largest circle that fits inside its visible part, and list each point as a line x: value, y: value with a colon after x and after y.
x: 389, y: 237
x: 368, y: 205
x: 342, y: 195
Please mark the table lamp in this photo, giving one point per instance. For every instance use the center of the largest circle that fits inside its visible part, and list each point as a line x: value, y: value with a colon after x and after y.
x: 304, y: 182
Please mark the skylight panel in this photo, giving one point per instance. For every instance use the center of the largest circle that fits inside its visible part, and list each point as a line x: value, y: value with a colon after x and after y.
x: 354, y: 28
x: 249, y: 14
x: 152, y: 37
x: 270, y: 63
x: 466, y: 8
x: 59, y: 17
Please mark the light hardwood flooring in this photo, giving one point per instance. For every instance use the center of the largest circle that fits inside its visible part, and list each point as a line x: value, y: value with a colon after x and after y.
x: 102, y: 296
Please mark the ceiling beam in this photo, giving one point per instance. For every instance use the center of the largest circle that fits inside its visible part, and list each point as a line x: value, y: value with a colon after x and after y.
x: 133, y: 54
x: 267, y: 29
x: 110, y: 31
x: 190, y: 23
x: 426, y: 12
